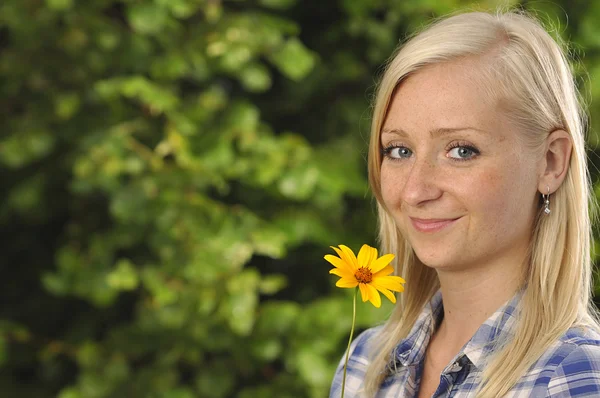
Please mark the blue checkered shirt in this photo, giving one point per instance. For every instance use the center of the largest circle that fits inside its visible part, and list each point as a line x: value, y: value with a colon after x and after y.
x: 569, y: 368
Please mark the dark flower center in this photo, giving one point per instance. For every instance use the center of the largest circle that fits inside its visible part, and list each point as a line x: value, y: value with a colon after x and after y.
x: 363, y: 275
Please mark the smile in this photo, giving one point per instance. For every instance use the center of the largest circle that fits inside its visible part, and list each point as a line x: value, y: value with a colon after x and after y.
x: 431, y: 225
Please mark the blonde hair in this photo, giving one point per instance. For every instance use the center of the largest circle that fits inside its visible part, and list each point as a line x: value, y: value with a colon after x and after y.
x: 530, y: 78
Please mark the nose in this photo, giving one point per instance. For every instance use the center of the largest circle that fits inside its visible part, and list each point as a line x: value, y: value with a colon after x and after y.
x: 422, y: 182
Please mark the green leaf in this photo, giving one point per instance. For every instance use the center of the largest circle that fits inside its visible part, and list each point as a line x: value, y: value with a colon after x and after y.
x: 155, y: 283
x: 3, y: 350
x: 272, y: 284
x: 277, y: 317
x: 171, y: 67
x: 277, y: 4
x: 266, y: 350
x: 55, y: 284
x: 207, y: 301
x: 59, y: 5
x: 255, y: 78
x: 243, y: 117
x: 179, y: 8
x: 180, y: 392
x: 269, y: 241
x: 66, y: 105
x: 124, y: 276
x: 240, y: 307
x: 25, y: 147
x: 313, y: 368
x: 27, y: 197
x: 172, y: 316
x: 147, y: 18
x: 294, y: 60
x: 158, y: 98
x: 215, y: 381
x: 235, y: 58
x: 88, y: 354
x: 299, y: 183
x: 70, y: 392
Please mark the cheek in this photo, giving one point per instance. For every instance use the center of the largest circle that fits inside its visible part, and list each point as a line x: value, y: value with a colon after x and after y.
x: 391, y: 184
x: 502, y: 196
x: 488, y: 188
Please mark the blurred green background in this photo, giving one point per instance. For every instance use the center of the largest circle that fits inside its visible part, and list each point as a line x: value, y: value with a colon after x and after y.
x: 172, y: 173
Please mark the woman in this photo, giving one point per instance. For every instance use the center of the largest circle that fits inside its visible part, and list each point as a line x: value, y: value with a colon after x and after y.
x: 478, y: 165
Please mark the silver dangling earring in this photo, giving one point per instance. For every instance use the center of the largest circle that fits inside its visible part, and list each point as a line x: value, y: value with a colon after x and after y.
x: 546, y: 201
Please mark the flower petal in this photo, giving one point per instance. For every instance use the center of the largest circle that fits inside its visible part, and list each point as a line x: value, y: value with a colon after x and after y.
x: 351, y: 258
x: 396, y: 278
x: 365, y: 256
x: 374, y: 297
x: 384, y: 272
x: 393, y: 283
x: 391, y: 296
x: 373, y: 254
x: 364, y: 293
x: 381, y: 262
x: 339, y: 263
x: 342, y: 273
x: 345, y: 258
x: 346, y: 283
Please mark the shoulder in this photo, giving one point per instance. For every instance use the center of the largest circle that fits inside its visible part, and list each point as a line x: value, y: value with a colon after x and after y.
x: 358, y: 363
x: 359, y: 350
x: 572, y: 365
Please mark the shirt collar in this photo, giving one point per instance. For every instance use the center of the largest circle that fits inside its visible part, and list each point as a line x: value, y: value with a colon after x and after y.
x: 412, y: 349
x: 495, y: 330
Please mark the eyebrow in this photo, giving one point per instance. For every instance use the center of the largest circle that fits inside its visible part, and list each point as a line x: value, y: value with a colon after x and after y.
x: 435, y: 132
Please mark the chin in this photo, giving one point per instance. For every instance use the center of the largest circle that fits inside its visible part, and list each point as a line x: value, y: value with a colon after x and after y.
x: 434, y: 264
x: 434, y: 260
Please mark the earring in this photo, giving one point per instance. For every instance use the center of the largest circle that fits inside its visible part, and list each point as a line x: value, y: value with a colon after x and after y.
x: 546, y: 201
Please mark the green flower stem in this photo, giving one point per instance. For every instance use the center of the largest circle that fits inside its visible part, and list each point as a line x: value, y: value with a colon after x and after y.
x: 349, y: 340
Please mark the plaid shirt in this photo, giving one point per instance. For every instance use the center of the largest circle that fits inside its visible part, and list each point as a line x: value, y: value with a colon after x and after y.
x: 569, y: 368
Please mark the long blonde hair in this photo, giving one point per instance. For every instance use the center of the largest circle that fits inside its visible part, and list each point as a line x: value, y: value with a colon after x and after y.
x: 531, y: 78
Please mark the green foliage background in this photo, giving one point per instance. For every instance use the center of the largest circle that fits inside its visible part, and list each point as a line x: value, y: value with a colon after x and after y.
x: 173, y: 171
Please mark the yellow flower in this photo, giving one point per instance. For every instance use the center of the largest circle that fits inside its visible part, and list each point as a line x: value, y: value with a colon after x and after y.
x: 371, y: 274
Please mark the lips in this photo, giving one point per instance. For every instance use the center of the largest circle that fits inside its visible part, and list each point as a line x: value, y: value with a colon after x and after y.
x: 431, y: 225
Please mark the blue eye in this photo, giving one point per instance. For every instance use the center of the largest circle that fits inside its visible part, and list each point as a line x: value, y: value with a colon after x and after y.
x: 397, y: 152
x: 463, y: 152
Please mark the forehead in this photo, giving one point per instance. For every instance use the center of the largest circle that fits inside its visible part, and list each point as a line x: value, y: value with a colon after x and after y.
x: 443, y: 96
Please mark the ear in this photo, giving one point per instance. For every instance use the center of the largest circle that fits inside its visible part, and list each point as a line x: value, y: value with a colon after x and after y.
x: 555, y: 162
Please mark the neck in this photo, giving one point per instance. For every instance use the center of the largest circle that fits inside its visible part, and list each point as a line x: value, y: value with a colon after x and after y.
x: 471, y: 297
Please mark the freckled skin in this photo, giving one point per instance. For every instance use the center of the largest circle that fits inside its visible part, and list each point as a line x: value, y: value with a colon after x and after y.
x: 494, y: 194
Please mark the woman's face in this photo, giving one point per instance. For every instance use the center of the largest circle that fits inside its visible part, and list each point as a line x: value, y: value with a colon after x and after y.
x: 455, y: 176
